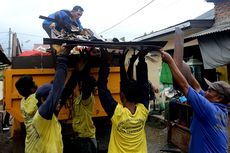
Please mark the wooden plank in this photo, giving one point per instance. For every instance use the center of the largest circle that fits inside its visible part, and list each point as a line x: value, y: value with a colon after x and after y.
x: 151, y: 45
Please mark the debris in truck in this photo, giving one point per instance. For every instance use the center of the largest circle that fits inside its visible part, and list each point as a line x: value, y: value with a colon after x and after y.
x: 34, y: 53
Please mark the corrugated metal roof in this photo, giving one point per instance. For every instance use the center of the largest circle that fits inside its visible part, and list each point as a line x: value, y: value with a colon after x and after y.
x: 212, y: 30
x: 205, y: 20
x: 206, y: 23
x: 207, y: 15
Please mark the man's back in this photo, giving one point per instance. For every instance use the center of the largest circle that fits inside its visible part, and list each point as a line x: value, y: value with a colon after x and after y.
x: 49, y: 131
x: 128, y: 134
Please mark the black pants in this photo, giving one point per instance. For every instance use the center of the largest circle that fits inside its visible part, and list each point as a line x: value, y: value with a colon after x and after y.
x: 79, y: 145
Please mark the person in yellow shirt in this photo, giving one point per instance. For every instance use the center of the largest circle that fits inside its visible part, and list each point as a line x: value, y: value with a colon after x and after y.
x: 83, y: 125
x: 29, y: 106
x: 84, y: 139
x: 129, y: 118
x: 43, y: 131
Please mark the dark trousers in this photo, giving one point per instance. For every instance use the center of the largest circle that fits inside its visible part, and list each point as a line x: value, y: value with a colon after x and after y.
x: 6, y: 120
x: 79, y: 145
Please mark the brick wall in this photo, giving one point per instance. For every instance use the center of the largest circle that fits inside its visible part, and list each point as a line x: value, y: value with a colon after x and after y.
x: 222, y: 12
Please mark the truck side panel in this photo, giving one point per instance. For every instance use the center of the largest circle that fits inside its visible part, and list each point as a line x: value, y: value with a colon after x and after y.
x: 41, y: 76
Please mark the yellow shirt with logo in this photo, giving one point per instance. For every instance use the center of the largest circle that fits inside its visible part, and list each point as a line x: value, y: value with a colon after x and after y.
x: 42, y: 136
x: 49, y: 134
x: 128, y: 133
x: 28, y: 109
x: 82, y: 117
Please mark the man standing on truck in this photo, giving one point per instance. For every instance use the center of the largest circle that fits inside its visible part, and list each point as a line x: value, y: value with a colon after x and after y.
x: 209, y: 124
x: 65, y: 20
x: 43, y: 131
x: 128, y: 119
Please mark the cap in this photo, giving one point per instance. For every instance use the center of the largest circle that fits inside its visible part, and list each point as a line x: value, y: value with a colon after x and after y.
x: 221, y: 87
x: 43, y: 91
x: 77, y: 8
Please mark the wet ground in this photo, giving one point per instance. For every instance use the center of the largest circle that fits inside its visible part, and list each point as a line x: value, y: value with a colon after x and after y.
x: 156, y: 133
x: 6, y: 144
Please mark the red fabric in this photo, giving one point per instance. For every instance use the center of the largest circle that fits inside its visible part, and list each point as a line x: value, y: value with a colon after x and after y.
x: 34, y: 53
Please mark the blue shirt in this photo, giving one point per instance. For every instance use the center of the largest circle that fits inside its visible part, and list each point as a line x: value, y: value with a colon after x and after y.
x: 209, y: 125
x: 63, y: 17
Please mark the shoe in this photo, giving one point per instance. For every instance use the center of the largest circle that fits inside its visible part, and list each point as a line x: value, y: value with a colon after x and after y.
x: 5, y: 128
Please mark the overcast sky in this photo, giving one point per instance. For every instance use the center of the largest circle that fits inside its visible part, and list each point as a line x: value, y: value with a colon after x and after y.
x: 22, y: 16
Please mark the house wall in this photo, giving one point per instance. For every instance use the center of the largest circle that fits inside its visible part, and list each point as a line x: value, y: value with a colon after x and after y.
x: 222, y: 70
x: 170, y: 44
x: 154, y: 69
x: 222, y: 12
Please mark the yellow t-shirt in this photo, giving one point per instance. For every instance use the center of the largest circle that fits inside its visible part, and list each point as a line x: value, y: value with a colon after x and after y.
x: 28, y: 109
x: 49, y: 134
x: 128, y: 133
x: 42, y: 136
x: 82, y: 117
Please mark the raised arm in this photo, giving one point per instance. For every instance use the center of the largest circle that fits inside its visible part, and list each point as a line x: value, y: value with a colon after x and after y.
x: 81, y: 68
x: 69, y: 88
x: 107, y: 101
x: 177, y: 75
x: 47, y: 109
x: 123, y: 74
x: 142, y: 78
x: 88, y: 83
x: 191, y: 78
x: 131, y: 64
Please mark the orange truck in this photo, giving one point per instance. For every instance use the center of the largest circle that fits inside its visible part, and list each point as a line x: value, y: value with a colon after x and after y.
x: 41, y: 68
x: 29, y: 66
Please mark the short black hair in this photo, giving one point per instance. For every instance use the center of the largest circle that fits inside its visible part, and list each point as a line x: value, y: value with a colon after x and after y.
x: 88, y: 84
x: 77, y: 8
x: 24, y: 85
x: 131, y: 89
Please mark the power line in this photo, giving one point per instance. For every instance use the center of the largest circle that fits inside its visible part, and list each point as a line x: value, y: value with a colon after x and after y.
x: 30, y: 35
x: 4, y: 35
x: 3, y: 38
x: 127, y: 17
x: 26, y: 34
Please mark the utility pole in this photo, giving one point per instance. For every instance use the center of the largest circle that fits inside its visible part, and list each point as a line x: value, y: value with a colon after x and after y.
x: 16, y: 48
x: 9, y: 47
